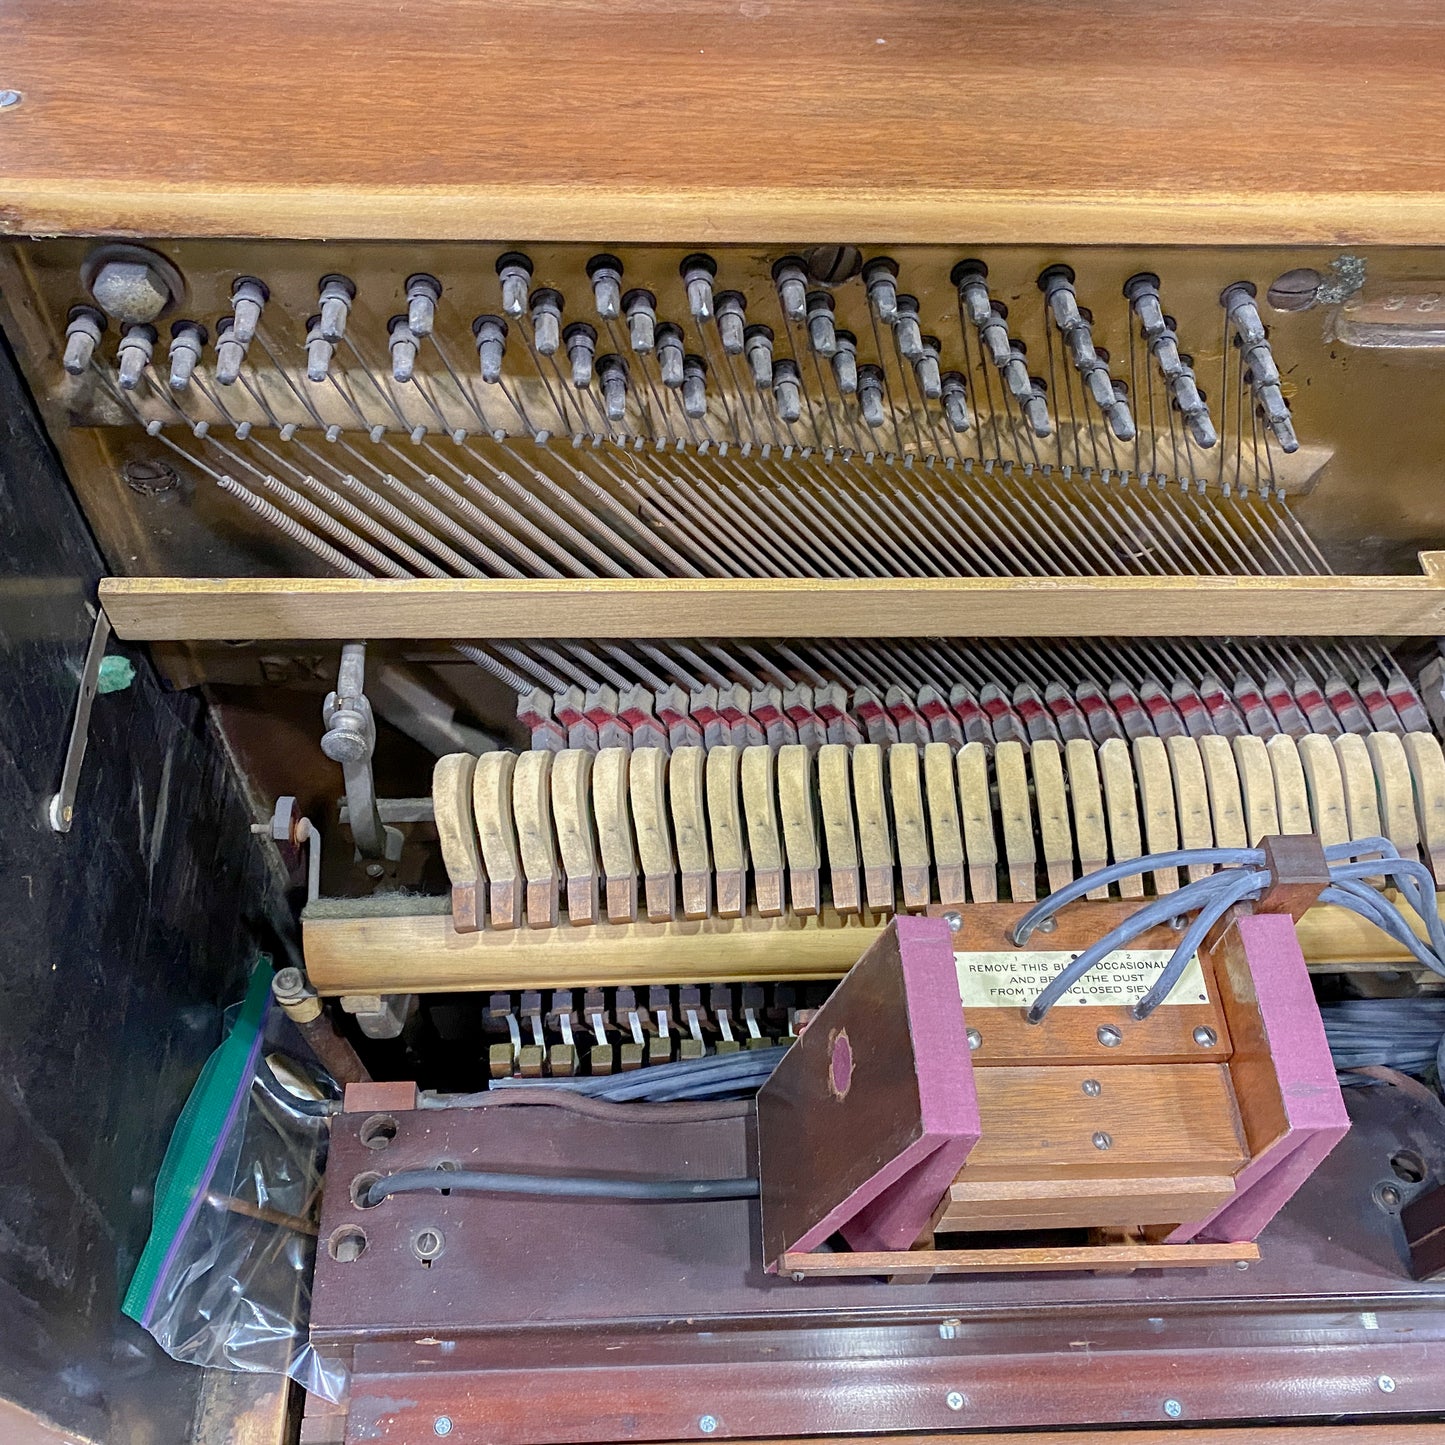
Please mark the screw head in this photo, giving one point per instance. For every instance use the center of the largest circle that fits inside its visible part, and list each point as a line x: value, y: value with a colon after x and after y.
x: 1092, y: 1087
x: 1103, y: 1140
x: 707, y: 1424
x: 442, y: 1425
x: 954, y: 920
x: 1173, y: 1409
x: 9, y: 98
x: 953, y: 1400
x: 1205, y: 1037
x: 1109, y: 1036
x: 948, y: 1330
x: 1387, y: 1384
x: 974, y: 1038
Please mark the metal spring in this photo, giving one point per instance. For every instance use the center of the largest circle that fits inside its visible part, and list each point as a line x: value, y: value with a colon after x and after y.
x: 290, y: 527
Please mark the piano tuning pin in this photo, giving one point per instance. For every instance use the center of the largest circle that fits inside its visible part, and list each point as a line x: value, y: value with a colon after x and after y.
x: 791, y: 278
x: 731, y: 309
x: 580, y: 340
x: 669, y: 354
x: 1121, y: 418
x: 376, y: 433
x: 694, y: 387
x: 1238, y: 302
x: 605, y: 273
x: 925, y: 368
x: 787, y: 391
x: 993, y: 335
x: 423, y: 291
x: 248, y: 296
x: 1015, y: 371
x: 1142, y: 293
x: 335, y: 295
x: 1258, y: 362
x: 1190, y: 401
x: 1057, y: 284
x: 880, y: 277
x: 546, y: 307
x: 640, y: 308
x: 870, y: 395
x: 758, y: 342
x: 971, y: 279
x: 845, y: 362
x: 230, y: 351
x: 491, y: 336
x: 188, y: 341
x: 84, y: 327
x: 514, y: 271
x: 954, y: 392
x: 612, y: 373
x: 319, y: 350
x: 697, y: 272
x: 402, y: 342
x: 822, y: 332
x: 133, y: 354
x: 907, y: 330
x: 1036, y: 407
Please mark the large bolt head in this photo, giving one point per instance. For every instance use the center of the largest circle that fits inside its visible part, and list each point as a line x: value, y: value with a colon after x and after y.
x: 130, y: 291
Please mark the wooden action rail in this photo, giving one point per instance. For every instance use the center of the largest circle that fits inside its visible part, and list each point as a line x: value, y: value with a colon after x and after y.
x: 202, y: 609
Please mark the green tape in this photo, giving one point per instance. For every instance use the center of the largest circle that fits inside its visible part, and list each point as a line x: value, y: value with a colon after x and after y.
x: 193, y: 1141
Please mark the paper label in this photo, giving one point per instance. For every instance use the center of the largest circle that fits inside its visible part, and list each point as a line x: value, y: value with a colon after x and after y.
x: 1015, y: 980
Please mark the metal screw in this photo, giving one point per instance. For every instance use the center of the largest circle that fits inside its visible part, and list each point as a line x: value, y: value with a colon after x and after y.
x: 1205, y: 1037
x: 1092, y: 1087
x: 1387, y: 1384
x: 974, y: 1038
x: 375, y: 870
x: 1173, y: 1409
x: 1241, y: 1264
x: 1109, y: 1036
x: 953, y: 1400
x: 442, y: 1425
x: 1102, y: 1140
x: 9, y: 98
x: 948, y: 1330
x: 954, y: 920
x: 707, y: 1424
x: 1047, y: 925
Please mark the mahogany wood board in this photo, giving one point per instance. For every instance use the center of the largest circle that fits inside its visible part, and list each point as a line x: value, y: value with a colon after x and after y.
x: 1011, y: 1261
x: 641, y: 120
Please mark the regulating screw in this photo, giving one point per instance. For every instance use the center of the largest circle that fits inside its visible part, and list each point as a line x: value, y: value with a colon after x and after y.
x: 707, y: 1424
x: 1173, y: 1409
x: 1387, y: 1384
x: 954, y: 1400
x: 948, y: 1330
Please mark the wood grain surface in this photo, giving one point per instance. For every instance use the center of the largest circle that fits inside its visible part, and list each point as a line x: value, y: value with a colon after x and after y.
x: 751, y: 120
x: 405, y: 952
x: 184, y: 609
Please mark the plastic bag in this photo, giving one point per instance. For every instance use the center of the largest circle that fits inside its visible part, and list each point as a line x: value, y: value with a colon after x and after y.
x: 225, y: 1277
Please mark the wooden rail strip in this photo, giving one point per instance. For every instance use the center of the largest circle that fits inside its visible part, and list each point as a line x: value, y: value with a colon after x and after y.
x: 186, y: 609
x: 353, y: 948
x: 1011, y: 1261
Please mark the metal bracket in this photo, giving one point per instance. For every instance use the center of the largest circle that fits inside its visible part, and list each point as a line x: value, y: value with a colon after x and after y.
x: 61, y: 809
x: 350, y: 739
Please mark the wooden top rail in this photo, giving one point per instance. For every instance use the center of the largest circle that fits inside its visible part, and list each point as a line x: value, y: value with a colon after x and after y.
x: 179, y: 609
x: 1075, y: 122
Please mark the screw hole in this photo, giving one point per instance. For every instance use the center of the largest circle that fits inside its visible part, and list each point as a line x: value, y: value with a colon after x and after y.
x: 347, y: 1244
x: 1388, y: 1196
x: 1406, y: 1164
x: 359, y: 1186
x: 378, y: 1131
